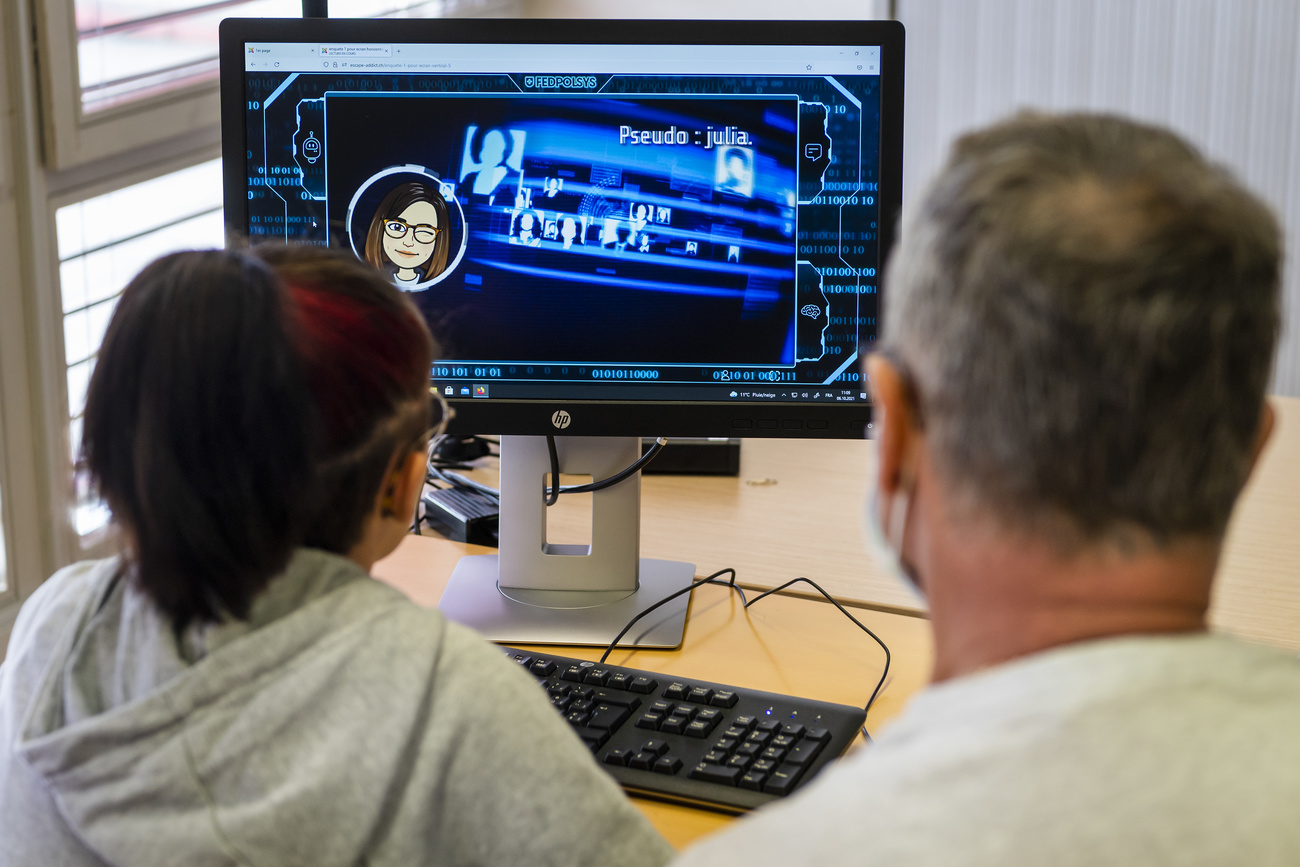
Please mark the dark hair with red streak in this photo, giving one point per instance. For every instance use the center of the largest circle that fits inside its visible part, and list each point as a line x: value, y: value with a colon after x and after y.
x: 368, y: 353
x: 246, y: 404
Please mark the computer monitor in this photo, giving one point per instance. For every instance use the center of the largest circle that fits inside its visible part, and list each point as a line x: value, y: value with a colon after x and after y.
x: 614, y: 228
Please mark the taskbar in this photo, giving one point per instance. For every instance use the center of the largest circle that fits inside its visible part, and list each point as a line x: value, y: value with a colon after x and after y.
x: 488, y: 389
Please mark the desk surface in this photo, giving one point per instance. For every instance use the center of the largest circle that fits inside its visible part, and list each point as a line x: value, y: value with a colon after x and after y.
x: 782, y: 644
x: 797, y: 509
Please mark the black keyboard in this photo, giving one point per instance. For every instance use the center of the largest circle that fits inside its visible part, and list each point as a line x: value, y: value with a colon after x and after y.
x: 694, y: 742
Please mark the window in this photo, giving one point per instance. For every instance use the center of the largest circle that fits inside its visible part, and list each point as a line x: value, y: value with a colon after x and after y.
x: 140, y: 48
x: 4, y: 558
x: 120, y: 74
x: 103, y: 242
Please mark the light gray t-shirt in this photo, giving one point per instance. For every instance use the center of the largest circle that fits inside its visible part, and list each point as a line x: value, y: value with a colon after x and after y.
x: 340, y: 725
x: 1146, y: 750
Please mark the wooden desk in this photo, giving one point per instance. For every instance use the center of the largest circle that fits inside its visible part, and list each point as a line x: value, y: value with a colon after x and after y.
x: 782, y: 644
x: 804, y: 517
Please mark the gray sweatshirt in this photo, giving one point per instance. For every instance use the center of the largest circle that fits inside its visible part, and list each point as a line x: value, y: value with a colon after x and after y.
x: 341, y: 724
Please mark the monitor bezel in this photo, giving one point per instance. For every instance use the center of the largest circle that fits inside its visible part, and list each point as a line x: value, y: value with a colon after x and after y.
x: 601, y: 417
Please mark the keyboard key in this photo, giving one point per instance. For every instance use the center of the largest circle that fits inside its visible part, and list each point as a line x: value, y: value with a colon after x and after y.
x: 582, y: 692
x: 662, y: 707
x: 657, y: 747
x: 817, y: 734
x: 773, y: 754
x: 770, y: 726
x: 619, y: 680
x: 726, y: 745
x: 685, y: 711
x: 668, y: 765
x: 578, y: 718
x: 735, y: 732
x: 738, y: 761
x: 745, y: 722
x: 804, y: 752
x: 763, y: 766
x: 543, y: 667
x: 642, y: 761
x: 596, y: 676
x: 608, y: 716
x: 716, y: 757
x: 582, y: 704
x: 674, y: 725
x: 643, y: 684
x: 749, y: 748
x: 783, y: 741
x: 618, y: 756
x: 752, y: 781
x: 759, y: 738
x: 677, y: 691
x: 649, y: 720
x: 715, y: 774
x: 783, y: 779
x: 700, y: 694
x: 708, y: 714
x: 572, y: 673
x: 794, y: 730
x: 520, y: 657
x: 605, y: 696
x: 723, y: 698
x: 699, y: 729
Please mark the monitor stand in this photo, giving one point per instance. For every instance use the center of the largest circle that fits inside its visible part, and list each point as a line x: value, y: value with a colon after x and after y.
x: 535, y: 592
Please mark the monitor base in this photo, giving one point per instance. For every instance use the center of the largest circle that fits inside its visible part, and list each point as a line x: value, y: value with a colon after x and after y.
x: 569, y: 617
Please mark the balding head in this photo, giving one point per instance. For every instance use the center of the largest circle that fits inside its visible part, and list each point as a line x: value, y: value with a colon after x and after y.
x: 1088, y: 312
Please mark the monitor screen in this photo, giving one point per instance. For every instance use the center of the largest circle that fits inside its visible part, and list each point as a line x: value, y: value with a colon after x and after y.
x: 613, y: 228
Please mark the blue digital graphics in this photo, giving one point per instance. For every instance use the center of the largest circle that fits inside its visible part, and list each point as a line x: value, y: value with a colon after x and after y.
x: 675, y: 230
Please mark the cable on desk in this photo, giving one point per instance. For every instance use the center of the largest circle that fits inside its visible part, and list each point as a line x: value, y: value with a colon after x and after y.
x: 748, y: 602
x: 670, y: 597
x: 885, y: 647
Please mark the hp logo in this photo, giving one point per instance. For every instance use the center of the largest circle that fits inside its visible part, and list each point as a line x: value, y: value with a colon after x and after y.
x: 561, y: 419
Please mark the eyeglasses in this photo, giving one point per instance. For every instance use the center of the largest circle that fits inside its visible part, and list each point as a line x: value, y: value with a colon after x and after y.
x: 446, y: 412
x: 424, y: 233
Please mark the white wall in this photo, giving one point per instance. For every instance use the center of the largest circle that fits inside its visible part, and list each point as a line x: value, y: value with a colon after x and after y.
x: 808, y: 9
x: 1224, y: 73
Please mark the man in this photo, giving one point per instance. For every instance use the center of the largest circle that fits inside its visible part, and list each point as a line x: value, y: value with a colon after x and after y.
x: 1069, y: 397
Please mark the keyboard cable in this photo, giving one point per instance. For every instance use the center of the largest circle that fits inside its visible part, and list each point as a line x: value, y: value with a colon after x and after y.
x: 713, y: 579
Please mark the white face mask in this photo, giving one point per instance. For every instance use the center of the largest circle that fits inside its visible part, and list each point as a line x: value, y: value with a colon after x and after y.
x: 886, y: 543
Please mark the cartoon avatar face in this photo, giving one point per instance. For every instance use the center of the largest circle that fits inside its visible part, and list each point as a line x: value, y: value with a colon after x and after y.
x: 410, y: 237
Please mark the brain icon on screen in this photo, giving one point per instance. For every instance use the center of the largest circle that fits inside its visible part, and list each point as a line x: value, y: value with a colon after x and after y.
x: 811, y: 310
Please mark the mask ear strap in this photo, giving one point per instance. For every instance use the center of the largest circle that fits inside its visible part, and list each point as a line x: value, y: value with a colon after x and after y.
x: 897, y: 529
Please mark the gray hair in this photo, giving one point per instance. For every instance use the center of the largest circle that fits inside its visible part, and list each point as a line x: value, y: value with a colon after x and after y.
x: 1087, y: 311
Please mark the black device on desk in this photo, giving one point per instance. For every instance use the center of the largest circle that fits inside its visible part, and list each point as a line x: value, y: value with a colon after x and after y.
x: 615, y: 229
x: 691, y: 741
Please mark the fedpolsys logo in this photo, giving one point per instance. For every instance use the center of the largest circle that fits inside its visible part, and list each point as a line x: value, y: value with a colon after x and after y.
x: 560, y: 82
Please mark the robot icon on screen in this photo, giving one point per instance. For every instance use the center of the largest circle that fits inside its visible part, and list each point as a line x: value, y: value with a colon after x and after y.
x: 734, y: 172
x: 311, y: 148
x: 490, y: 157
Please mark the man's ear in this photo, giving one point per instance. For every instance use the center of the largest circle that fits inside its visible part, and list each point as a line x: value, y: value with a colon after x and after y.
x: 1267, y: 418
x: 894, y: 422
